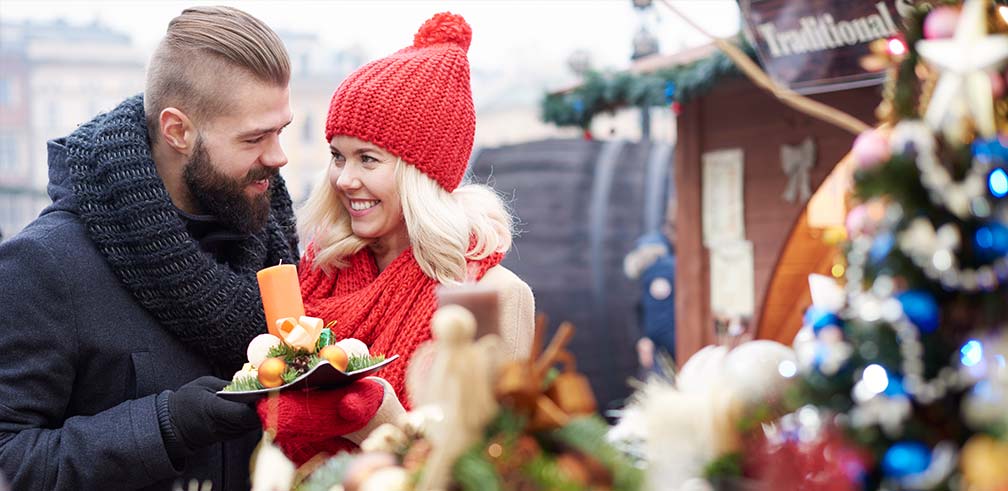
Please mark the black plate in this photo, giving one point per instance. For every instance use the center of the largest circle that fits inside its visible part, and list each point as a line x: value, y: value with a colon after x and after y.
x: 322, y: 375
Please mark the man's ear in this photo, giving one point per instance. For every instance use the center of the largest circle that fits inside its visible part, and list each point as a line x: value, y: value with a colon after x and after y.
x: 177, y: 130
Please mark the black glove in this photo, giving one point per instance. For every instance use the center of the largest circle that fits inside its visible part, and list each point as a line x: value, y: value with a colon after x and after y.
x: 200, y: 418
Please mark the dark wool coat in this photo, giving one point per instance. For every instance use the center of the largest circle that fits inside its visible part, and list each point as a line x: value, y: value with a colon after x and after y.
x: 83, y: 365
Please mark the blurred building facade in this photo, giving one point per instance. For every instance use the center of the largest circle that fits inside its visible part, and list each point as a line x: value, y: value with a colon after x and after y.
x: 55, y: 76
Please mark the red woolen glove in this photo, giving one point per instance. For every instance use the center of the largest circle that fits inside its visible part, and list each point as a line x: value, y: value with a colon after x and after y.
x: 313, y: 421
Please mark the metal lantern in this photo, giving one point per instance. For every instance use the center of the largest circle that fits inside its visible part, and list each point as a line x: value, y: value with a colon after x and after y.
x: 579, y: 62
x: 644, y: 44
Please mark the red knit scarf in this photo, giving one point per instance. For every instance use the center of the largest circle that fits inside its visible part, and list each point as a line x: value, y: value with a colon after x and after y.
x: 390, y: 311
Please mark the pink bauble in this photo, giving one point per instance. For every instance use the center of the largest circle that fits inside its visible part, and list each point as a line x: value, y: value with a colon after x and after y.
x: 857, y: 220
x: 870, y: 149
x: 941, y: 23
x: 997, y: 84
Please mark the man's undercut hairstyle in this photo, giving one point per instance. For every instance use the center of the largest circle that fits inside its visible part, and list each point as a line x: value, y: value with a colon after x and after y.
x: 206, y: 51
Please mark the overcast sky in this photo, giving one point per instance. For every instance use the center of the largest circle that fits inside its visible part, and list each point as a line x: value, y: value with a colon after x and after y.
x: 514, y: 38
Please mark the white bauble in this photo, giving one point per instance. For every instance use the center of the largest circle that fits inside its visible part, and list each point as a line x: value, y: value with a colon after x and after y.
x: 354, y: 347
x: 752, y: 369
x: 702, y: 369
x: 259, y: 348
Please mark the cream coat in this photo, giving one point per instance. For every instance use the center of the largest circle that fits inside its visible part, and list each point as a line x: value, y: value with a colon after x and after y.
x: 517, y: 328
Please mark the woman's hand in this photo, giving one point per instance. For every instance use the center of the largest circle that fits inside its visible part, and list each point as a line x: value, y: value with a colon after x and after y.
x: 312, y: 421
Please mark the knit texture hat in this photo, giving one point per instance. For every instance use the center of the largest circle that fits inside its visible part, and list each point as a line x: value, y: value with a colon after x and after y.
x: 415, y: 103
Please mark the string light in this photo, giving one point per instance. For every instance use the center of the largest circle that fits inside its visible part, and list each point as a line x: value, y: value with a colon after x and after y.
x: 997, y: 181
x: 875, y: 378
x: 896, y: 47
x: 971, y: 353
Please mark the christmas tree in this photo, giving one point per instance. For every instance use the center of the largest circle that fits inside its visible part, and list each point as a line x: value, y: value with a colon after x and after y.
x: 901, y: 379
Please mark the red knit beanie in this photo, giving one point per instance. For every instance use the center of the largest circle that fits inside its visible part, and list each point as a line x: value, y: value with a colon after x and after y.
x: 416, y: 103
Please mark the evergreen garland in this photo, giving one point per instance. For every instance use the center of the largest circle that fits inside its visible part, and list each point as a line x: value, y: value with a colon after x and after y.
x: 602, y: 92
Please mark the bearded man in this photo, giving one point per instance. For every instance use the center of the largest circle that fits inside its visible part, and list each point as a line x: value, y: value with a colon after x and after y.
x: 128, y: 302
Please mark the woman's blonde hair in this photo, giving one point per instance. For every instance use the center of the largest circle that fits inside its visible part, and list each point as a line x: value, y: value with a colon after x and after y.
x: 445, y: 228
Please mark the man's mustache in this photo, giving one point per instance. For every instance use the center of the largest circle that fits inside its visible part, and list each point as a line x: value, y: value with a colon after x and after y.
x: 261, y: 174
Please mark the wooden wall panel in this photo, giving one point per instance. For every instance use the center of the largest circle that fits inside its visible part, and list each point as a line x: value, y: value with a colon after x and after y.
x: 737, y: 114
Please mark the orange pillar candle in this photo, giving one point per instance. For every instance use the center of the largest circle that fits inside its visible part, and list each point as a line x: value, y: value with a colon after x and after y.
x: 281, y: 294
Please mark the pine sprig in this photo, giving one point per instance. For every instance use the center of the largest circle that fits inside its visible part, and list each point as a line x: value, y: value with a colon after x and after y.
x: 473, y: 472
x: 287, y: 352
x: 726, y: 466
x: 360, y: 362
x: 588, y: 436
x: 244, y: 383
x: 290, y: 375
x: 544, y: 471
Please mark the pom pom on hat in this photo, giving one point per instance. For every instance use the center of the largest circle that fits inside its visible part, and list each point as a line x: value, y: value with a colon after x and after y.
x: 444, y: 27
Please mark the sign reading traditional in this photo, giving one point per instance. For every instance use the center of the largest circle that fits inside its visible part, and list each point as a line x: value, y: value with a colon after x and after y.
x: 814, y: 45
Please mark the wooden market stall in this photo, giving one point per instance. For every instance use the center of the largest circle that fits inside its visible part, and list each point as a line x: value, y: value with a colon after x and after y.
x: 738, y: 115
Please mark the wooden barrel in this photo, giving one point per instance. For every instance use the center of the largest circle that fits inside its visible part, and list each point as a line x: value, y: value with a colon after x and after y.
x: 580, y: 207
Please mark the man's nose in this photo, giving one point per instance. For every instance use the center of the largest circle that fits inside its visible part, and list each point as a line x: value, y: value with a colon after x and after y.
x: 274, y: 155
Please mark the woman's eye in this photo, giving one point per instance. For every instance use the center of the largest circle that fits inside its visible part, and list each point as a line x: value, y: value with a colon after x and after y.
x: 337, y: 159
x: 367, y: 159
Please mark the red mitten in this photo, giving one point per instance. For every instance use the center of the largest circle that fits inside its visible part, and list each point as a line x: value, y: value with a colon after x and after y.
x: 313, y: 421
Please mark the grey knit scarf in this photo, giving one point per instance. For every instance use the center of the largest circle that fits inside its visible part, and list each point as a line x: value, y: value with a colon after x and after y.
x: 212, y: 307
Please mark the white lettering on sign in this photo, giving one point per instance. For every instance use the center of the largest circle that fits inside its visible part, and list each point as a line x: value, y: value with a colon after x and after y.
x: 822, y: 32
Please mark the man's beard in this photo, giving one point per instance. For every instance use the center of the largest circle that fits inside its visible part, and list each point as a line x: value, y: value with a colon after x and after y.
x: 224, y: 197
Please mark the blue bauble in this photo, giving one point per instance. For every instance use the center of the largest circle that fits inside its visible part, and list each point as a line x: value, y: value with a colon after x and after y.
x: 578, y: 105
x: 818, y: 318
x: 990, y: 151
x: 670, y: 90
x: 906, y: 458
x: 895, y: 387
x: 921, y: 308
x: 881, y: 247
x: 991, y: 241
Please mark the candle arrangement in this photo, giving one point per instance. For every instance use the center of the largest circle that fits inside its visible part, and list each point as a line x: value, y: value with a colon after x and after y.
x: 298, y: 350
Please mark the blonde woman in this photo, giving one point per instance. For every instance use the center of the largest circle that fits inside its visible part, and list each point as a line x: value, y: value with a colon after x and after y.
x: 392, y: 223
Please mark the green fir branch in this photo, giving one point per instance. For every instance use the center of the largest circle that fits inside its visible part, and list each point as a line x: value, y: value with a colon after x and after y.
x: 290, y: 375
x: 544, y: 471
x: 287, y: 352
x: 588, y: 436
x: 726, y: 466
x: 244, y: 383
x: 360, y: 362
x: 473, y: 472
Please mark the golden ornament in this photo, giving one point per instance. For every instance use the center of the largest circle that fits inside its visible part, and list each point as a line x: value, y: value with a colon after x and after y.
x: 271, y: 372
x: 983, y: 463
x: 336, y: 357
